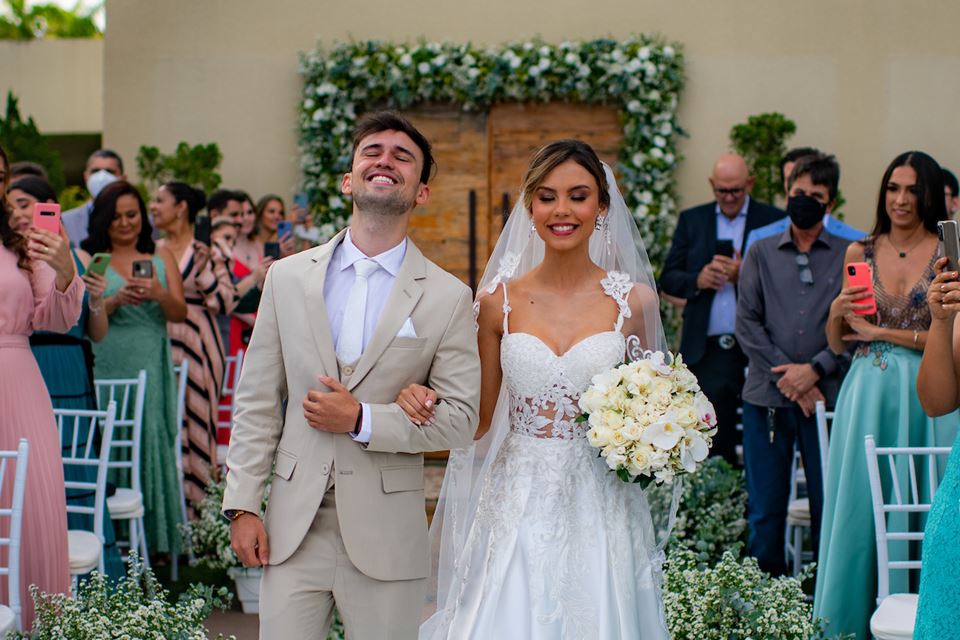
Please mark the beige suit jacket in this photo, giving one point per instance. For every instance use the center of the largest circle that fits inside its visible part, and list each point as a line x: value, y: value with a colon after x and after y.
x: 379, y: 487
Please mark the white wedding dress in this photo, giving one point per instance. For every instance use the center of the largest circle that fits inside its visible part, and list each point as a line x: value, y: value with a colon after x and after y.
x: 559, y: 548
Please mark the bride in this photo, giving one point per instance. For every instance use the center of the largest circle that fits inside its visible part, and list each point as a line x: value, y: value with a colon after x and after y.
x: 535, y: 537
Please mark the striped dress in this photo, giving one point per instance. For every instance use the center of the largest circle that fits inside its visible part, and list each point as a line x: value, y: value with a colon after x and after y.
x: 209, y: 291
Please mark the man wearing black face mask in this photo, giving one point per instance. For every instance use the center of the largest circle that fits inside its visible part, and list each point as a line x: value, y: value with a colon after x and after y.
x: 787, y: 282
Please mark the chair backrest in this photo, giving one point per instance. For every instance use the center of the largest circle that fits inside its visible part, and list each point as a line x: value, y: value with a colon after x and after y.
x: 231, y: 377
x: 824, y: 418
x: 87, y: 438
x: 897, y: 487
x: 129, y: 395
x: 182, y: 371
x: 15, y: 513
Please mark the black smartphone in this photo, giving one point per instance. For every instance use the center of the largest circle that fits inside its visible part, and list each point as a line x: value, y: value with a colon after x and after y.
x: 271, y: 250
x: 950, y: 243
x: 143, y: 269
x: 725, y: 248
x: 201, y: 230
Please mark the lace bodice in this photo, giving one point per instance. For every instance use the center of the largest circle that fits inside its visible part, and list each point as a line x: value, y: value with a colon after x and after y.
x: 544, y: 387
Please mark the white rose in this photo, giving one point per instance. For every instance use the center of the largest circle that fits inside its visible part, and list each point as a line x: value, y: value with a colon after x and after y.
x: 644, y: 53
x: 616, y: 459
x: 606, y: 380
x: 631, y: 430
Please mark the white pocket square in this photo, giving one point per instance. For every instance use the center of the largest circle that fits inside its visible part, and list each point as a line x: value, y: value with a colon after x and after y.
x: 407, y: 330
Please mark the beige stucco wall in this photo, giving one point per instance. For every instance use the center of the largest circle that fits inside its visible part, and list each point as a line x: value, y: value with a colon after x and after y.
x: 864, y: 79
x: 59, y: 82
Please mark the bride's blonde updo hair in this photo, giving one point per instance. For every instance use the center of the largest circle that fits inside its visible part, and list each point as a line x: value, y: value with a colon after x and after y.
x: 553, y: 155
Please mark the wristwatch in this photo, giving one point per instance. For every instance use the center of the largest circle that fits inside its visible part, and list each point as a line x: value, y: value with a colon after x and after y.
x: 233, y: 514
x: 818, y: 369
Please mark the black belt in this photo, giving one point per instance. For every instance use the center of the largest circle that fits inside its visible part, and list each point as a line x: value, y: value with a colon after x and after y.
x: 725, y: 341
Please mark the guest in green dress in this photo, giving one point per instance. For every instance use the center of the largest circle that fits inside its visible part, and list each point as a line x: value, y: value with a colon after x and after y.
x: 139, y: 309
x: 878, y: 396
x: 938, y: 613
x: 66, y: 361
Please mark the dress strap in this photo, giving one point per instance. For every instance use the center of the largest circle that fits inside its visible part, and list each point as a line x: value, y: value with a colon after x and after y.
x: 618, y: 286
x: 506, y: 310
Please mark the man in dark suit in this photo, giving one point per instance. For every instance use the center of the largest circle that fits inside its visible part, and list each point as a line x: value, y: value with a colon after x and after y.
x: 694, y: 271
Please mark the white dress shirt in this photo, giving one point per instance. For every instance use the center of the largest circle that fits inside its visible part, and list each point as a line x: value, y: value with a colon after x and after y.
x: 723, y: 311
x: 336, y: 290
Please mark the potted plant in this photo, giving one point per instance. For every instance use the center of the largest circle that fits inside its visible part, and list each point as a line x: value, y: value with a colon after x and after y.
x: 209, y: 538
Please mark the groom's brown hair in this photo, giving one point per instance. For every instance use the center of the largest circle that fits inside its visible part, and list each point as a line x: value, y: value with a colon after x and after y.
x: 391, y: 121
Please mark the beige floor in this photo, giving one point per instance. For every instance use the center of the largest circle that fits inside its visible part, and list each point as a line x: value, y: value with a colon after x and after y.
x: 243, y: 626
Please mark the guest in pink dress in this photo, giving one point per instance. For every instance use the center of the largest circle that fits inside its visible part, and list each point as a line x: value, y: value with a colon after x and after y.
x: 41, y: 290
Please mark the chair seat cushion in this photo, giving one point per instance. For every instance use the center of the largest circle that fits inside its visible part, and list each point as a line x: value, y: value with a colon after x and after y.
x: 798, y: 512
x: 895, y: 617
x: 85, y: 550
x: 8, y: 621
x: 125, y: 503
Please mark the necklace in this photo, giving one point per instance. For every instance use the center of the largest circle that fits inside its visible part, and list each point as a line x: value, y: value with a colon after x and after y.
x: 903, y: 252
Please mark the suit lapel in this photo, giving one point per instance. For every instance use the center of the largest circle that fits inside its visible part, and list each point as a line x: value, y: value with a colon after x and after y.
x: 404, y: 295
x: 317, y: 317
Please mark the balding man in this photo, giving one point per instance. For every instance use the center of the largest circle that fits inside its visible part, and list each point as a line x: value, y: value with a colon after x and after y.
x: 696, y: 271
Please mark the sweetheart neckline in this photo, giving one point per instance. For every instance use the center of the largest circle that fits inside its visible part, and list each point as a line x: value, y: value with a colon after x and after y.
x: 569, y: 349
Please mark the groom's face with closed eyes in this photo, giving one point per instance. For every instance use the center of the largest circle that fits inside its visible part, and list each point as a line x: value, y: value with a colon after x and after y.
x: 385, y: 177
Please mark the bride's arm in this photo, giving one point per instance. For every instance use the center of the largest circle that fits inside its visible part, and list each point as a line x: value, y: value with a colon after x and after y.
x: 489, y: 334
x: 644, y: 320
x: 418, y: 401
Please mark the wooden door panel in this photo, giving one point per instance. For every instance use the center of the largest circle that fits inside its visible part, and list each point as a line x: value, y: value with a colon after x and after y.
x: 441, y: 227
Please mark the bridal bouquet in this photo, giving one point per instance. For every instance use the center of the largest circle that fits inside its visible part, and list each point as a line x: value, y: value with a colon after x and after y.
x: 649, y: 419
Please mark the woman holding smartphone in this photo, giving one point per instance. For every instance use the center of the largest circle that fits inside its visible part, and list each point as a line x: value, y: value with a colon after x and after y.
x: 144, y: 292
x: 209, y: 291
x: 938, y: 385
x: 878, y: 395
x: 41, y: 290
x: 66, y: 359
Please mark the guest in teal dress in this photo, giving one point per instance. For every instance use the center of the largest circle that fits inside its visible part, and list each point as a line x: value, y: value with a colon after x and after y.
x: 66, y: 361
x: 139, y: 309
x: 938, y: 385
x: 878, y: 396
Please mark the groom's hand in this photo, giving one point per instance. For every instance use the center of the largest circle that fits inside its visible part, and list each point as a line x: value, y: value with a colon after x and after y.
x: 248, y: 539
x: 334, y: 411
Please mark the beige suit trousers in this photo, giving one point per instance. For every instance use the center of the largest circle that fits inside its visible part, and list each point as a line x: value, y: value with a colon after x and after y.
x: 297, y: 596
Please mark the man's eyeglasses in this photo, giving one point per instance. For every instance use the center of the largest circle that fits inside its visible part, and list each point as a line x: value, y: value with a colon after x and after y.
x: 803, y: 262
x: 735, y: 191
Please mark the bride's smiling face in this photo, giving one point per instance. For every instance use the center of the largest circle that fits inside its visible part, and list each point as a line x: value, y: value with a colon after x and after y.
x: 565, y: 206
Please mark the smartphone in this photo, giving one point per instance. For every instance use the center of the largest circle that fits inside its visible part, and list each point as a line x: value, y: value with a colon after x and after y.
x: 271, y: 250
x: 950, y: 243
x: 46, y: 215
x: 201, y: 230
x: 99, y: 263
x: 859, y: 275
x: 143, y: 269
x: 284, y: 228
x: 725, y: 248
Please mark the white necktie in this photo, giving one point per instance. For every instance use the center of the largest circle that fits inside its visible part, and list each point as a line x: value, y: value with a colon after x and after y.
x: 350, y: 343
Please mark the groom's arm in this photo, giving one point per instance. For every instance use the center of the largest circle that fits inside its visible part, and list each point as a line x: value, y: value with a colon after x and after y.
x: 258, y: 422
x: 455, y: 376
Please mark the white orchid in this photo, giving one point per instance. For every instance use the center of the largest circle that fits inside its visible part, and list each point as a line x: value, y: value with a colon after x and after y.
x: 664, y: 433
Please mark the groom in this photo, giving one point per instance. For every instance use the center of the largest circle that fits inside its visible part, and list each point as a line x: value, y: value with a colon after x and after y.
x: 340, y: 331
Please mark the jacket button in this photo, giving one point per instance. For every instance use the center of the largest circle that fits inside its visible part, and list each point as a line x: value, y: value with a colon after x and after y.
x: 325, y: 469
x: 348, y: 371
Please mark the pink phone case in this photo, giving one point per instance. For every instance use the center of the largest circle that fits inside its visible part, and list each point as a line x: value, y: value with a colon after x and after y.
x: 859, y: 275
x: 46, y: 215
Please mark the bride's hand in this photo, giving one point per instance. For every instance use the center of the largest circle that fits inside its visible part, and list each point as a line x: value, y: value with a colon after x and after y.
x: 418, y: 402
